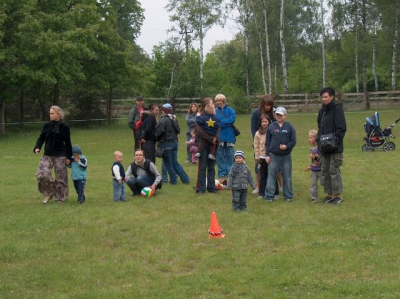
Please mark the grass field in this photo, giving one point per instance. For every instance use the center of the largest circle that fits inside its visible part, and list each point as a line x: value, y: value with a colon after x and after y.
x: 160, y: 248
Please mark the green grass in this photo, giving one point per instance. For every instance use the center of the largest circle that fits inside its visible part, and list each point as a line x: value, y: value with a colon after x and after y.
x: 159, y: 247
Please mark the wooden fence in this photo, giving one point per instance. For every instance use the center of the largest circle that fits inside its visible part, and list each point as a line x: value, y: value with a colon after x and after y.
x: 308, y: 102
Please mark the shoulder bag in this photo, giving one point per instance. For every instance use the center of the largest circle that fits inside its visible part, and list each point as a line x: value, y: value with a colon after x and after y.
x: 328, y: 142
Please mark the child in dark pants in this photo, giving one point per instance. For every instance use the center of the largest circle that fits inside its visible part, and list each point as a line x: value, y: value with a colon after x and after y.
x: 238, y: 179
x: 79, y: 165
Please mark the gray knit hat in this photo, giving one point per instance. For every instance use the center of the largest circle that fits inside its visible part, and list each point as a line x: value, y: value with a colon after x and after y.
x: 239, y: 153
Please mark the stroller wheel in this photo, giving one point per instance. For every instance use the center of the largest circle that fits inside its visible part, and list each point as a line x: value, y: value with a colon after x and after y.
x: 367, y: 148
x: 389, y: 146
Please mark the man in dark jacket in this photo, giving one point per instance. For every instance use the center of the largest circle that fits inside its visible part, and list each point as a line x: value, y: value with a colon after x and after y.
x: 134, y: 116
x: 331, y: 120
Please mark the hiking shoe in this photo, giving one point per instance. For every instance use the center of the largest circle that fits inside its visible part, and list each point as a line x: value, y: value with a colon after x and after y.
x: 211, y: 157
x: 336, y: 200
x: 328, y: 199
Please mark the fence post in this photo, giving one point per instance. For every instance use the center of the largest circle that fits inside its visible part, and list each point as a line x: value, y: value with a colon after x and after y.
x: 366, y: 100
x: 306, y: 100
x: 172, y: 100
x: 340, y: 97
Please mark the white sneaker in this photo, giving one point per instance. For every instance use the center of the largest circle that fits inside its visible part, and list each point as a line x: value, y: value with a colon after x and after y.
x: 255, y: 191
x: 47, y: 198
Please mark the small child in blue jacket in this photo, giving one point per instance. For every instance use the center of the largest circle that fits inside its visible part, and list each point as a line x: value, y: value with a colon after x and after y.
x: 79, y: 165
x: 238, y: 179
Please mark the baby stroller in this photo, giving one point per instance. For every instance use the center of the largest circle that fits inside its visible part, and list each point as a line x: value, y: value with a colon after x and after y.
x: 376, y: 137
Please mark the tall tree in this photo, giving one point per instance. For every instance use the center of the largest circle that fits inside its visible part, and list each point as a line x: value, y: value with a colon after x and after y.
x: 323, y: 44
x: 283, y: 47
x: 395, y: 45
x: 200, y: 16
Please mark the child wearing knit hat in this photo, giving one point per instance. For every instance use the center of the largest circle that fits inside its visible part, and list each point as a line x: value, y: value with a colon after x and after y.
x: 238, y: 180
x: 79, y: 165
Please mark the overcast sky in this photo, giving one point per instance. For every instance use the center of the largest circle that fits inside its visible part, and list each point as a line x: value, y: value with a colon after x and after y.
x: 156, y: 23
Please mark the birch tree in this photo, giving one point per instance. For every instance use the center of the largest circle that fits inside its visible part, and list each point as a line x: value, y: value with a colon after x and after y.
x: 260, y: 44
x: 267, y: 50
x: 394, y: 46
x: 323, y: 44
x: 200, y: 16
x: 243, y: 20
x: 283, y: 48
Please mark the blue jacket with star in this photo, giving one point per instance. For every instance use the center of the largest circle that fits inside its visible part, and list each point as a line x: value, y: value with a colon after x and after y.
x: 209, y: 122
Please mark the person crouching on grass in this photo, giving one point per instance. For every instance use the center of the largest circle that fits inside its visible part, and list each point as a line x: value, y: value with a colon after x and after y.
x: 238, y: 179
x: 142, y: 173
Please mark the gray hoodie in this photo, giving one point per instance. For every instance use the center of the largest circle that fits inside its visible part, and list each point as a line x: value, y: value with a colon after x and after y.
x: 240, y: 177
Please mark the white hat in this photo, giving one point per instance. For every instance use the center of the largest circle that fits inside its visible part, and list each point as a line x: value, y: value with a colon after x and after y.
x: 281, y: 111
x: 167, y: 106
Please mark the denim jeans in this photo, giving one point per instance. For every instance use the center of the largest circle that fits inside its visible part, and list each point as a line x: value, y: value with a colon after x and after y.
x: 119, y: 191
x: 239, y: 200
x: 188, y: 153
x: 137, y: 184
x: 170, y: 160
x: 284, y: 164
x: 205, y: 169
x: 225, y: 160
x: 80, y: 189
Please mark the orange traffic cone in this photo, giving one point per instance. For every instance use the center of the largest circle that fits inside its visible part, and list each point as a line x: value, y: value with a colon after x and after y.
x: 215, y: 231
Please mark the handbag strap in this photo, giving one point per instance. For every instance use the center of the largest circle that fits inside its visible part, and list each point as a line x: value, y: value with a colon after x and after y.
x: 231, y: 125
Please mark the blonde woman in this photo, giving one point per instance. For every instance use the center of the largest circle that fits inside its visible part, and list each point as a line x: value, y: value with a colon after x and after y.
x: 57, y: 154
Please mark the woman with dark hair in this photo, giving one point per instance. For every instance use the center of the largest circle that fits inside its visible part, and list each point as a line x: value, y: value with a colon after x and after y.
x: 167, y: 131
x: 191, y: 124
x: 57, y: 154
x: 266, y: 107
x: 146, y: 132
x: 331, y: 120
x: 206, y: 166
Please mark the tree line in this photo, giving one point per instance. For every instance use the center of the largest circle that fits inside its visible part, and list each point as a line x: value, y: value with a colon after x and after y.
x: 85, y: 51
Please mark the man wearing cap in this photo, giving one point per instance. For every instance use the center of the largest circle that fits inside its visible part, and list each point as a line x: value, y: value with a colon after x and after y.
x: 166, y: 132
x: 281, y: 139
x: 134, y: 116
